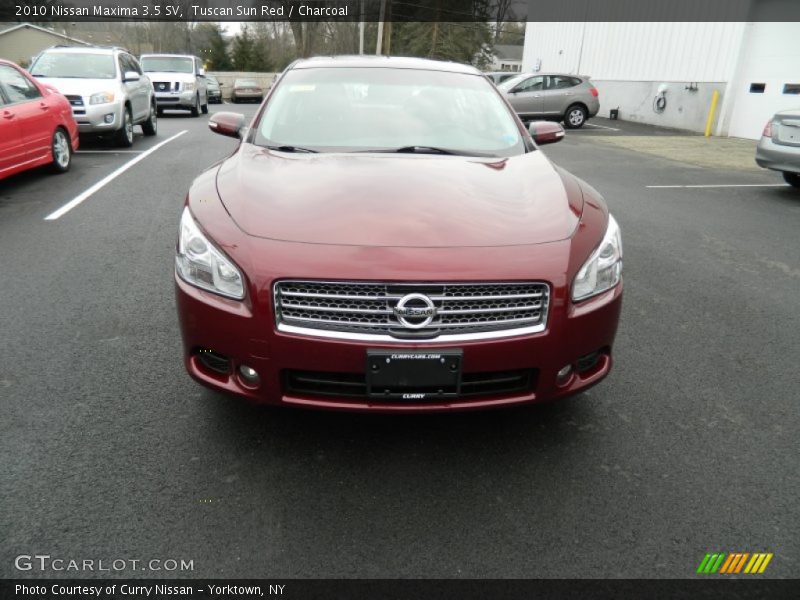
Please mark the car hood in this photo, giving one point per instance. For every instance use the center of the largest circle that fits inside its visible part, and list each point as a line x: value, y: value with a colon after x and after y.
x: 170, y: 76
x: 397, y: 200
x: 79, y: 86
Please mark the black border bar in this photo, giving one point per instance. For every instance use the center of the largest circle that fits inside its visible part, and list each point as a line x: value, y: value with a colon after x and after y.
x: 42, y: 11
x: 706, y: 587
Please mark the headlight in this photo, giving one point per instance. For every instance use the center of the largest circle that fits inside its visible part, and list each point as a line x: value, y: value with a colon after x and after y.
x: 603, y: 270
x: 101, y: 98
x: 199, y: 263
x: 188, y: 87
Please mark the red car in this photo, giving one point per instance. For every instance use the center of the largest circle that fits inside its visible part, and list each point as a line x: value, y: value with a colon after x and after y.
x: 387, y: 236
x: 36, y: 124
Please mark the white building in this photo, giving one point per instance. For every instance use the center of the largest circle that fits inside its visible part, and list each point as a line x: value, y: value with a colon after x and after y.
x: 506, y: 58
x: 754, y: 66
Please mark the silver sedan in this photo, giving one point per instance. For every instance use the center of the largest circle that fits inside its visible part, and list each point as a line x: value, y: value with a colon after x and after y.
x: 779, y: 147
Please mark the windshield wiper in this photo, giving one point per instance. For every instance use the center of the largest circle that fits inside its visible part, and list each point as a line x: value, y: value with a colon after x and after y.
x: 429, y: 150
x: 292, y: 149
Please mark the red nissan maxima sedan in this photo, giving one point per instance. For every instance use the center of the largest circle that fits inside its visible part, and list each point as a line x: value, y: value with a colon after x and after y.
x: 36, y: 124
x: 388, y: 237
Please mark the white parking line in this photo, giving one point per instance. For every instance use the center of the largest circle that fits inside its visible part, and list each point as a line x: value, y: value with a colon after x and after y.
x: 600, y: 126
x: 720, y: 185
x: 107, y: 179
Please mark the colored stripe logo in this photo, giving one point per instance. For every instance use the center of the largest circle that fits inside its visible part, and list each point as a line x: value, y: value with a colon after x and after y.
x: 734, y: 562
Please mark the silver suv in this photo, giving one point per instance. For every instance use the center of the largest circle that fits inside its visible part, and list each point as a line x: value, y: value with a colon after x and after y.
x: 568, y: 98
x: 179, y: 81
x: 106, y: 87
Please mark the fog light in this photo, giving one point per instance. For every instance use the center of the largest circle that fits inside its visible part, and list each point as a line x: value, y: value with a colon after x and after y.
x: 249, y: 375
x: 564, y: 374
x: 109, y: 118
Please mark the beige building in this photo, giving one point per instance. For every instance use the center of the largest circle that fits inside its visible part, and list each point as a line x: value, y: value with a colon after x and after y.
x: 22, y: 42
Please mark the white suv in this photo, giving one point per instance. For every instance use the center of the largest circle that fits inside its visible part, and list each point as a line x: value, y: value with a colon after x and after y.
x: 179, y: 81
x: 106, y: 87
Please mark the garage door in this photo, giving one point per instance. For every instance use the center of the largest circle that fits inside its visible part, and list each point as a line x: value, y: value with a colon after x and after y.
x: 768, y: 78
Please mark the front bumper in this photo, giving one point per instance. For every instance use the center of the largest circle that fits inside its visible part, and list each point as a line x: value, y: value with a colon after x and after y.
x: 248, y: 95
x: 777, y: 157
x: 247, y: 336
x: 183, y: 100
x: 98, y: 118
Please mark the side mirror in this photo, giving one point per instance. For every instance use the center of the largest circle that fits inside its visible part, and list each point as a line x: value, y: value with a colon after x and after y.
x: 546, y: 132
x: 131, y: 76
x: 230, y: 124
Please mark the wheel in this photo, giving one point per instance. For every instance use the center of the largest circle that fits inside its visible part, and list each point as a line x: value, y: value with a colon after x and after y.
x: 196, y: 107
x: 575, y: 117
x: 62, y: 151
x: 150, y: 126
x: 124, y: 135
x: 792, y: 179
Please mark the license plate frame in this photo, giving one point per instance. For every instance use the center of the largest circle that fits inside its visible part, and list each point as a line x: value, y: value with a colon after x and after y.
x: 414, y: 376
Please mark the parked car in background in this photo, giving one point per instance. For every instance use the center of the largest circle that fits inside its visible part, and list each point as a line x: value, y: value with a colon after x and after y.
x: 568, y: 98
x: 214, y: 90
x: 106, y: 87
x: 479, y: 275
x: 499, y: 77
x: 36, y: 124
x: 179, y: 82
x: 245, y: 90
x: 779, y: 147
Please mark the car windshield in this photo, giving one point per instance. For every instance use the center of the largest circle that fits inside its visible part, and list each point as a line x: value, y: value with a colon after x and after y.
x: 74, y: 65
x: 385, y: 109
x: 245, y: 83
x: 212, y: 80
x: 167, y: 64
x: 510, y: 83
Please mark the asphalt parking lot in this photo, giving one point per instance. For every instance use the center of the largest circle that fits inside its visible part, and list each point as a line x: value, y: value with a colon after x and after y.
x: 111, y: 451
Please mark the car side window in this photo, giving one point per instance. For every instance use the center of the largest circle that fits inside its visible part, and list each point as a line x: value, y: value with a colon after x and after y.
x: 534, y: 84
x: 16, y: 86
x: 561, y: 82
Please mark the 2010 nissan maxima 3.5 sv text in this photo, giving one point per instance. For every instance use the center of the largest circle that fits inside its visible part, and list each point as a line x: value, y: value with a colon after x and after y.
x: 387, y: 236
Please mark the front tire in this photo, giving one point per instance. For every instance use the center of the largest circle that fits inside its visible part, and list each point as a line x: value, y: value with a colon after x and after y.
x: 124, y: 136
x: 196, y: 107
x: 575, y: 117
x: 61, y: 151
x: 150, y: 126
x: 793, y: 179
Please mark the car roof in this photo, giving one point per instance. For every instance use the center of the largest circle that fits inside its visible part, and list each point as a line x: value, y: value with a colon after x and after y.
x: 84, y: 49
x: 555, y: 73
x: 149, y: 54
x: 388, y: 62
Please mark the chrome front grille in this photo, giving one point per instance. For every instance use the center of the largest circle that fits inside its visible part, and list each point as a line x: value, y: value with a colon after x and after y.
x: 411, y: 312
x: 166, y: 86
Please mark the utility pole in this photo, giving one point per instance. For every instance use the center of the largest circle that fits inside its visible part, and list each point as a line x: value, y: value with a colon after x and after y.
x: 379, y: 44
x: 361, y: 30
x: 387, y: 38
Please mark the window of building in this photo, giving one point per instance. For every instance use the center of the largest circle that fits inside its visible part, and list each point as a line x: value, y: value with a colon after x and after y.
x: 758, y: 88
x: 791, y: 88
